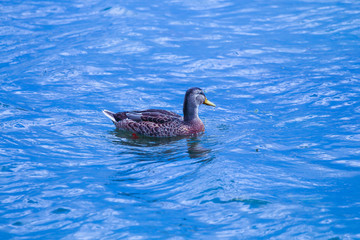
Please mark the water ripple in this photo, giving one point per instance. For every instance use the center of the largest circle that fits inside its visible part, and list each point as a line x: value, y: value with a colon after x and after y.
x: 278, y: 160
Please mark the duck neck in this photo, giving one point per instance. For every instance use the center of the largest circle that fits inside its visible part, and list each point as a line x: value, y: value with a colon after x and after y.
x: 190, y: 111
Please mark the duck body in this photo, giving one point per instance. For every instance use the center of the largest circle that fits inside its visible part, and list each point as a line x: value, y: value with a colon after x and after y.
x: 155, y: 123
x: 162, y: 123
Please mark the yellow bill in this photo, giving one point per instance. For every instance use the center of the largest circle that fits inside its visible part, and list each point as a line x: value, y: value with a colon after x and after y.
x: 207, y: 102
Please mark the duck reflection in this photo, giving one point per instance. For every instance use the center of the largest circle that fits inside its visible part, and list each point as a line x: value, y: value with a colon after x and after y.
x: 195, y: 149
x: 171, y: 148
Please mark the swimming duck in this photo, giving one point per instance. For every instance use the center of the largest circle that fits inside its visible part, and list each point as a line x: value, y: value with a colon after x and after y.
x: 162, y: 123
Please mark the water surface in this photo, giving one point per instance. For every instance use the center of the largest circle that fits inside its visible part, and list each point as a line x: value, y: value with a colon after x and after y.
x: 280, y: 155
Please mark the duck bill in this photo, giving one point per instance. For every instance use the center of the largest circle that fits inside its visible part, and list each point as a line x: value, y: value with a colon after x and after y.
x: 207, y: 102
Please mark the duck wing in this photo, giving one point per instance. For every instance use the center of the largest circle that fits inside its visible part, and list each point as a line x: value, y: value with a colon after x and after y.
x: 150, y: 115
x: 160, y: 111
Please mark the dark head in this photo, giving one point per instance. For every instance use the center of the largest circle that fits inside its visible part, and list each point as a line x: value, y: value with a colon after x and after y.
x: 194, y: 97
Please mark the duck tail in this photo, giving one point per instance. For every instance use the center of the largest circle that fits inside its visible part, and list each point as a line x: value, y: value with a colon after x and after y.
x: 110, y: 115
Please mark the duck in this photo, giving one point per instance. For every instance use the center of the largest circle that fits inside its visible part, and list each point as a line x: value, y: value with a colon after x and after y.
x: 163, y: 123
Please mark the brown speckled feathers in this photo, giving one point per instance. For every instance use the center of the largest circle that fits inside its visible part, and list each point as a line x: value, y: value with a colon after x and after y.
x: 162, y: 123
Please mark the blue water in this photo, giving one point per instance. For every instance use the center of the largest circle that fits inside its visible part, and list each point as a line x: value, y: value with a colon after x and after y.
x: 280, y: 158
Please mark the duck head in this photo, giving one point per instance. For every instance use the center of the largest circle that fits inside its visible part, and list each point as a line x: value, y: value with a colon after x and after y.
x: 194, y: 97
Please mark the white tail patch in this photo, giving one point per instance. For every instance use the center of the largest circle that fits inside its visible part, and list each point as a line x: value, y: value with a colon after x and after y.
x: 109, y: 115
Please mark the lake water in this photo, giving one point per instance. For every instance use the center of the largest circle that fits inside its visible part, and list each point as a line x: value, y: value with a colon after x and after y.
x: 280, y: 158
